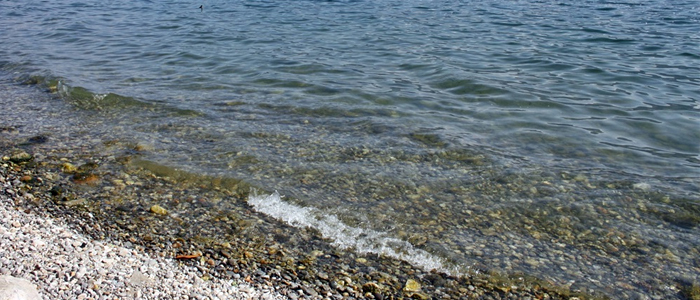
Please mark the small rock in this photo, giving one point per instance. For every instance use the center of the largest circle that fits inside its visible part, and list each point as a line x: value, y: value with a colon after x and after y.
x: 74, y: 202
x: 68, y: 168
x: 370, y: 287
x: 57, y: 191
x: 138, y: 279
x: 20, y: 157
x: 419, y: 296
x: 81, y: 273
x: 12, y: 288
x: 39, y: 139
x: 309, y: 291
x: 323, y: 275
x: 532, y: 262
x: 157, y: 209
x: 642, y: 186
x: 85, y: 178
x: 119, y: 183
x: 412, y: 286
x: 580, y: 178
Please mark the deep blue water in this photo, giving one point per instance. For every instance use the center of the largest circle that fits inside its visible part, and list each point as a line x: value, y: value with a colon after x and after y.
x: 383, y: 114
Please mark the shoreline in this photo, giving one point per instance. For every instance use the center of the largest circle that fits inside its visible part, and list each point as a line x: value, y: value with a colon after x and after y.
x: 545, y: 161
x: 66, y: 264
x: 221, y: 245
x: 105, y: 189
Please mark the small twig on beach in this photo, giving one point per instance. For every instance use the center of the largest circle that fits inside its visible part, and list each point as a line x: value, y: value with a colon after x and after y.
x: 188, y: 256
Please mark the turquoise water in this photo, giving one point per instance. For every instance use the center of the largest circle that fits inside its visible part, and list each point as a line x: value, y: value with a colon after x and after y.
x: 446, y: 124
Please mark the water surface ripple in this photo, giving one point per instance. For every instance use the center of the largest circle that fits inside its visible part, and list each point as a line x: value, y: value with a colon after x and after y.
x: 551, y: 138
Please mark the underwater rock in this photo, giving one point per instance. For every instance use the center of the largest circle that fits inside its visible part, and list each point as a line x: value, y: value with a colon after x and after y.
x: 159, y: 210
x: 75, y: 202
x: 85, y: 178
x: 20, y: 156
x: 39, y: 139
x: 68, y: 168
x: 412, y: 286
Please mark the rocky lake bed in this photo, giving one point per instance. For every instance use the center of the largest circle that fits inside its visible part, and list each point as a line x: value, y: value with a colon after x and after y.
x: 108, y: 198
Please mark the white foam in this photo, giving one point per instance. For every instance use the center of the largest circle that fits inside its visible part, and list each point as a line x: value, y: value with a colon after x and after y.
x: 344, y: 236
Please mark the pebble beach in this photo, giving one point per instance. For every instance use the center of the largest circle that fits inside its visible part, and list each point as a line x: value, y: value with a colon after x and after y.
x: 350, y: 149
x: 83, y: 218
x: 86, y: 218
x: 65, y: 264
x: 51, y: 236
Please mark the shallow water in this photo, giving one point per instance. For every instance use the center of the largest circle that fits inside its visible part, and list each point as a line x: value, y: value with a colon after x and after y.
x: 554, y: 139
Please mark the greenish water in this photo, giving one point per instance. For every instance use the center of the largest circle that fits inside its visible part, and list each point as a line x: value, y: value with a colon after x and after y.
x: 555, y: 139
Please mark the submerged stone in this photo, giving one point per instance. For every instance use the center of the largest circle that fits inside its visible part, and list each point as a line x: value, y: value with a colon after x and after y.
x: 412, y: 286
x: 85, y: 178
x: 20, y: 156
x: 39, y: 139
x: 75, y: 202
x: 159, y: 210
x: 642, y: 186
x: 68, y: 168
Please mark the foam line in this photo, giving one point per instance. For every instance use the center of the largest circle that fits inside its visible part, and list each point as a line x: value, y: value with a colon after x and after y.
x: 344, y: 236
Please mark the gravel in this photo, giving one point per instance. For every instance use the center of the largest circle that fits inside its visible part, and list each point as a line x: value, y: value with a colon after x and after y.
x: 64, y: 264
x: 133, y: 213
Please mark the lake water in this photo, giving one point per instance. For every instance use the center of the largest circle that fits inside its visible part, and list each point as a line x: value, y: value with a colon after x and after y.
x: 558, y: 139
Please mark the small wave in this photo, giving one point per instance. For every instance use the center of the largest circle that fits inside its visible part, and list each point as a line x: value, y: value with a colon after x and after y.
x: 608, y: 40
x: 344, y: 236
x: 85, y: 99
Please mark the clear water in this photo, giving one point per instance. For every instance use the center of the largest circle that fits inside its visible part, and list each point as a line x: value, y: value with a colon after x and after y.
x: 482, y: 132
